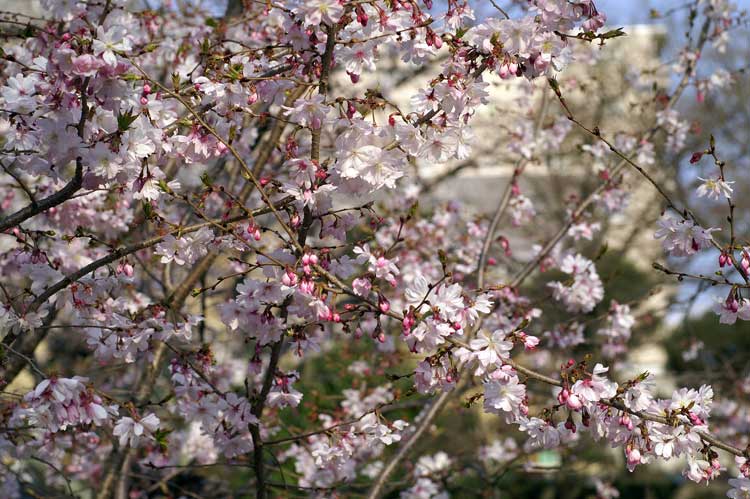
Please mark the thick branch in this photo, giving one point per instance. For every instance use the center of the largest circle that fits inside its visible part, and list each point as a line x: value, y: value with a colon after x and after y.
x: 25, y: 342
x: 259, y: 405
x: 432, y: 411
x: 67, y: 191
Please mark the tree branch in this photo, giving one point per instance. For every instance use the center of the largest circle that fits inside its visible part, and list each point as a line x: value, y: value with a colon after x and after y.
x: 67, y: 191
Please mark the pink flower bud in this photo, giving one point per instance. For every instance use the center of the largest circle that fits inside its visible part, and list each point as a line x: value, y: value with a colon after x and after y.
x: 362, y: 17
x: 626, y: 422
x: 125, y: 268
x: 408, y: 323
x: 355, y: 79
x: 289, y: 278
x: 505, y: 244
x: 8, y: 200
x: 574, y: 402
x: 383, y: 304
x: 530, y: 342
x: 633, y: 455
x: 307, y: 286
x: 696, y: 157
x: 731, y: 303
x: 695, y: 419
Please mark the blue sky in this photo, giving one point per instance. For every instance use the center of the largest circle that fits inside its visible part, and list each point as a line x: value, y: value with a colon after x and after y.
x: 637, y: 11
x: 620, y: 12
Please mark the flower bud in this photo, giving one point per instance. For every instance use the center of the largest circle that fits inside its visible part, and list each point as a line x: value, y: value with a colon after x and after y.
x: 633, y: 455
x: 362, y: 17
x: 408, y: 323
x: 289, y: 278
x: 383, y: 304
x: 574, y: 402
x: 355, y: 79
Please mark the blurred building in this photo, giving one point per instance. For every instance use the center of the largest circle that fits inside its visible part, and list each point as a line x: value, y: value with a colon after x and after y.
x: 28, y: 7
x: 614, y: 86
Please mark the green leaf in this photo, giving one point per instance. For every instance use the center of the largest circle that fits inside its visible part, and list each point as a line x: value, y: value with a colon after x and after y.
x: 125, y: 120
x: 443, y: 259
x: 207, y: 180
x: 615, y: 33
x: 176, y: 81
x: 164, y: 187
x: 413, y: 209
x: 147, y: 209
x: 602, y: 250
x: 160, y: 435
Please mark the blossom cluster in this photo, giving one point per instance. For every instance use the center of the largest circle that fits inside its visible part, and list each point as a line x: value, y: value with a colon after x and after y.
x: 226, y: 224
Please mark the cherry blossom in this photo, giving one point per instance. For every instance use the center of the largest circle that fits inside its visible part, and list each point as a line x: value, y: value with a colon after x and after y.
x: 130, y: 431
x: 225, y: 241
x: 682, y: 237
